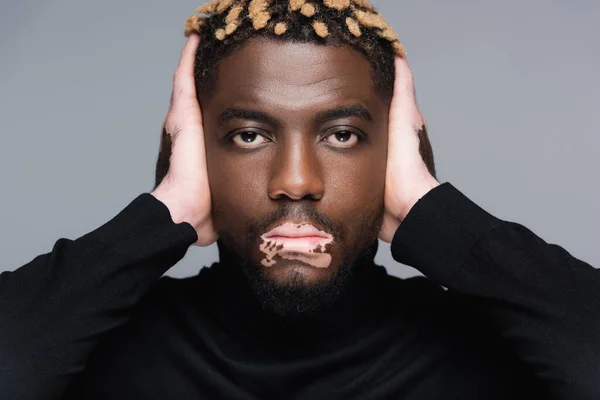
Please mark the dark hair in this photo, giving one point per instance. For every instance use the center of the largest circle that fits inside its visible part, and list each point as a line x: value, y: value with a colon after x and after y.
x: 228, y: 24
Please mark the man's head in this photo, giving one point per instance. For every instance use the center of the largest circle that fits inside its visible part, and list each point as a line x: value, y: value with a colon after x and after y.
x: 295, y: 99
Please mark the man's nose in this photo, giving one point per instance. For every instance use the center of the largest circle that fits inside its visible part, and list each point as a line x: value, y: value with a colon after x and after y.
x: 296, y: 172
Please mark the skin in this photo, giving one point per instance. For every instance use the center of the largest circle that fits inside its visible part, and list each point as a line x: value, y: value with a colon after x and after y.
x: 293, y: 165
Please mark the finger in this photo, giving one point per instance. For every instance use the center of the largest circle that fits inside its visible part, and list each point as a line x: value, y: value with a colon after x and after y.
x: 404, y: 111
x: 404, y: 84
x: 184, y: 88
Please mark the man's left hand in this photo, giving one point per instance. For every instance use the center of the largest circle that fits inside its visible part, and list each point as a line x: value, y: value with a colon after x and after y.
x: 407, y: 177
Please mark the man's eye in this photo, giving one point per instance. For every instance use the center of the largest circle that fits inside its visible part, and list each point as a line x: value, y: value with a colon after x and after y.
x: 248, y: 139
x: 344, y: 139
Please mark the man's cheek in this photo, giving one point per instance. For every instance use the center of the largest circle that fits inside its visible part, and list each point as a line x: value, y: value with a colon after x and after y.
x: 223, y: 212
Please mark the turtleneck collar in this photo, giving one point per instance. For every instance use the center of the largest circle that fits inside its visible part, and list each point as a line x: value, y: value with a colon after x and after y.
x: 227, y: 295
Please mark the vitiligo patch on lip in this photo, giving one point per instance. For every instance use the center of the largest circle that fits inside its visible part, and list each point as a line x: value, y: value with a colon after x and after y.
x: 310, y: 249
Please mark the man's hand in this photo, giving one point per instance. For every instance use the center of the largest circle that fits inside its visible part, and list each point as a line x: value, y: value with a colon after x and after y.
x: 185, y: 189
x: 407, y: 177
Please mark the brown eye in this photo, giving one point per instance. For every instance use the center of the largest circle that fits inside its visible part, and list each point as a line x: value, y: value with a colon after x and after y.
x: 343, y: 139
x: 248, y: 139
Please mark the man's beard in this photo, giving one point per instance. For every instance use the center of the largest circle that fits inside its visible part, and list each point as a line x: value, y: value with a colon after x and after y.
x: 297, y: 297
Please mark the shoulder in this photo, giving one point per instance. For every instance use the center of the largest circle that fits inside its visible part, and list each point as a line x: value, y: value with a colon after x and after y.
x: 417, y: 291
x: 172, y: 291
x: 140, y: 348
x: 420, y: 298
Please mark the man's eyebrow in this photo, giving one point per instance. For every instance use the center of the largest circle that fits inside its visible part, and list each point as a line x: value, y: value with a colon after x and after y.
x: 354, y: 110
x: 241, y: 113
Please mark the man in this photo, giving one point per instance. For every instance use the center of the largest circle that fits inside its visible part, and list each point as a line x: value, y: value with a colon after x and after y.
x: 292, y: 155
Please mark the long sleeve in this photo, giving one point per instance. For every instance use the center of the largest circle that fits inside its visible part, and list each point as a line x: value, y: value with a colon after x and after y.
x: 544, y: 301
x: 54, y: 309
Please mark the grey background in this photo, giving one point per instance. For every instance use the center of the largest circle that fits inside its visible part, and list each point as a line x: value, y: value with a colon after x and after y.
x: 509, y: 88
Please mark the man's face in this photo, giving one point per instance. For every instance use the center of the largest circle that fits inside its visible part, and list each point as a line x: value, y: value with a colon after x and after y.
x: 296, y: 133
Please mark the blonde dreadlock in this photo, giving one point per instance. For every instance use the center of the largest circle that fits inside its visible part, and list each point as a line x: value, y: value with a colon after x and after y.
x: 359, y: 16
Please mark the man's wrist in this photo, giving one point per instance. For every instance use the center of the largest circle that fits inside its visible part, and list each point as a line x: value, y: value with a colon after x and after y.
x: 173, y: 203
x: 418, y: 194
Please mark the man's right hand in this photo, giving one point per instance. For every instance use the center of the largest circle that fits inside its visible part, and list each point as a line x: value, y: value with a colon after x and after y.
x: 185, y: 189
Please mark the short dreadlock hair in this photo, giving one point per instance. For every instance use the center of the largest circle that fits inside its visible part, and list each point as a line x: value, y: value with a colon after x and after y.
x: 225, y: 25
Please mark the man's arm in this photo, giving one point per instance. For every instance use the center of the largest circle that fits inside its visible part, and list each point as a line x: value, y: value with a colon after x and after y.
x: 54, y: 309
x: 544, y: 301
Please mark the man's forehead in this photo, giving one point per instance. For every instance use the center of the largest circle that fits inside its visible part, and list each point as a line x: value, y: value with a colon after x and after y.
x: 298, y: 63
x: 283, y: 71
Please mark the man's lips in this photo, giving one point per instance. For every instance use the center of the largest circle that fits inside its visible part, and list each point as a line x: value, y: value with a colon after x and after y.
x: 296, y: 230
x: 305, y: 244
x: 296, y: 237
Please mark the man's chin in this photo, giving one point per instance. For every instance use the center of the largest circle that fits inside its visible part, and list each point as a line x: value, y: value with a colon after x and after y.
x: 287, y: 273
x: 293, y: 289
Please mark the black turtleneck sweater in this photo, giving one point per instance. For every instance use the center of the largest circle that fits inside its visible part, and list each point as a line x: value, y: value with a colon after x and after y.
x: 501, y: 315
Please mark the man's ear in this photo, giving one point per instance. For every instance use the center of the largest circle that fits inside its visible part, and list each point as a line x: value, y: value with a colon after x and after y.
x: 164, y: 153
